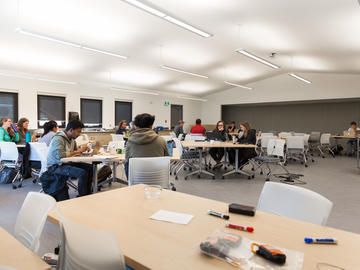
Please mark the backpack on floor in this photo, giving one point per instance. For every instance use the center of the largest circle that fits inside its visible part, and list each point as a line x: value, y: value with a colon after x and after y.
x: 7, y: 175
x: 337, y: 149
x: 104, y: 173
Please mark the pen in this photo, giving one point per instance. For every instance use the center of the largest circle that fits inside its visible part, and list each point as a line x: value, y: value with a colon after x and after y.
x: 238, y: 227
x: 309, y: 240
x: 215, y: 214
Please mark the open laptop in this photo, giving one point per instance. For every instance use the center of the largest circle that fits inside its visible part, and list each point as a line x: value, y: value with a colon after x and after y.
x: 215, y: 136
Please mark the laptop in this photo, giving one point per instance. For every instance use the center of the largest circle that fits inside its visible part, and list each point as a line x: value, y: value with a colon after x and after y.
x: 215, y: 136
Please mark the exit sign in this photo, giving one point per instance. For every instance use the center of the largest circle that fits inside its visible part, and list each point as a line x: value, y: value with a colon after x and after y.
x: 167, y: 103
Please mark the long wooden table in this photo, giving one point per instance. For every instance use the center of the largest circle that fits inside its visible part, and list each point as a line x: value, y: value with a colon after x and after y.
x: 151, y: 244
x: 113, y: 160
x: 16, y: 255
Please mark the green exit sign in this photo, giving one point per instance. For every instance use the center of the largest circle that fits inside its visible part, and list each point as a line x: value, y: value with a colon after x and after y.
x: 167, y: 103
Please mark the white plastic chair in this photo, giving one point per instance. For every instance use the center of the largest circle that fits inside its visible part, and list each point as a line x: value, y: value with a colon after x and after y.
x: 117, y: 137
x: 284, y: 134
x: 294, y: 202
x: 266, y: 134
x: 172, y: 134
x: 150, y: 170
x: 31, y: 219
x: 325, y: 144
x: 168, y: 138
x: 264, y: 142
x: 9, y: 157
x: 38, y: 152
x: 85, y: 248
x: 296, y: 149
x: 82, y: 137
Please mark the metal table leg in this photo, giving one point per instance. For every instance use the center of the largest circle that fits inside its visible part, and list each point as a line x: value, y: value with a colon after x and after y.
x: 95, y: 182
x: 115, y: 179
x: 236, y: 169
x: 200, y: 170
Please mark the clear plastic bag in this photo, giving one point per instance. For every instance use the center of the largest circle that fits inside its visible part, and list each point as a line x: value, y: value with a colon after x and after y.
x: 236, y: 250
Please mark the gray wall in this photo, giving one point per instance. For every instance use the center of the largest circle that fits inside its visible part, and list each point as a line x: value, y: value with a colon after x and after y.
x: 332, y: 116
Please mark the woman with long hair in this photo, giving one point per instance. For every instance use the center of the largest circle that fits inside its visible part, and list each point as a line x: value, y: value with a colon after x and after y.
x: 23, y: 128
x: 7, y: 132
x: 50, y: 129
x: 122, y: 127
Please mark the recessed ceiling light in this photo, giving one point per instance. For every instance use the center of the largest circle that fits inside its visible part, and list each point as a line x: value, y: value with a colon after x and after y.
x: 256, y: 58
x: 42, y: 36
x: 135, y: 91
x: 238, y: 85
x: 29, y: 77
x: 299, y: 78
x: 159, y: 13
x: 191, y: 98
x: 183, y: 71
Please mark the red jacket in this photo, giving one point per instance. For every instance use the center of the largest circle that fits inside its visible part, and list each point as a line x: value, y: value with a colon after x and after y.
x: 198, y: 129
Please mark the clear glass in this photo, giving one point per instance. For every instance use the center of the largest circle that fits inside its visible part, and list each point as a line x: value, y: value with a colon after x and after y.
x: 152, y: 191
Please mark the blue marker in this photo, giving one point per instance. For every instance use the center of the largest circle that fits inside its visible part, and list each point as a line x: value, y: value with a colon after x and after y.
x: 320, y: 240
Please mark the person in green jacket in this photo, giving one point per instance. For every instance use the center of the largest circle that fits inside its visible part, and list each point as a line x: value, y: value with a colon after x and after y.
x: 7, y: 133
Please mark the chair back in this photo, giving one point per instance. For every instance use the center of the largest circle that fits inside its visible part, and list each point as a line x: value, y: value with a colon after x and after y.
x: 179, y: 146
x: 39, y: 152
x: 276, y: 147
x: 85, y: 248
x: 31, y: 219
x: 294, y: 202
x: 168, y: 138
x: 295, y: 142
x: 117, y: 137
x: 9, y: 152
x: 266, y: 134
x: 265, y: 140
x: 150, y: 170
x: 315, y: 136
x: 325, y: 138
x: 196, y: 137
x: 172, y: 134
x: 284, y: 134
x: 82, y: 137
x: 306, y: 139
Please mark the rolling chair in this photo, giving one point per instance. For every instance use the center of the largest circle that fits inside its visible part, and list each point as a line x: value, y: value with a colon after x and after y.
x: 9, y: 158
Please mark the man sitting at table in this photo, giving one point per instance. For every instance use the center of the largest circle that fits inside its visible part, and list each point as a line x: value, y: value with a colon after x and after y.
x: 63, y: 145
x: 351, y: 144
x: 143, y: 141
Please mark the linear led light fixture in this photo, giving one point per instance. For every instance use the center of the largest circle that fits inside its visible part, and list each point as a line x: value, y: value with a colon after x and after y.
x: 238, y: 85
x: 64, y: 42
x: 256, y: 58
x: 135, y: 91
x: 299, y: 78
x: 191, y: 98
x: 158, y: 13
x: 36, y: 78
x: 183, y: 71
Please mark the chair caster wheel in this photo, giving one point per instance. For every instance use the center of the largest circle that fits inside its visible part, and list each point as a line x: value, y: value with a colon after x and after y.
x: 323, y: 157
x: 312, y: 160
x: 261, y: 173
x: 267, y: 179
x: 249, y: 177
x: 176, y: 178
x: 253, y: 176
x: 185, y: 178
x: 14, y: 187
x: 252, y: 169
x: 99, y: 189
x: 110, y: 183
x: 222, y: 177
x: 212, y: 177
x: 198, y: 176
x: 190, y: 169
x: 306, y: 165
x: 34, y: 181
x: 185, y: 169
x: 170, y: 173
x: 19, y: 186
x: 302, y: 163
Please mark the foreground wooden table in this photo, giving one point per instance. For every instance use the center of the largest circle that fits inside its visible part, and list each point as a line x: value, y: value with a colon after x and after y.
x: 151, y: 244
x: 16, y: 255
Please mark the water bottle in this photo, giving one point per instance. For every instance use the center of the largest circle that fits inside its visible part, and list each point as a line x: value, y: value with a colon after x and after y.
x: 170, y: 147
x: 28, y: 137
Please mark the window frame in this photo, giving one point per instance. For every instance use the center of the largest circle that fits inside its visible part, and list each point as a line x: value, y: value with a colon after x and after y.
x: 15, y: 104
x: 131, y: 109
x: 101, y: 111
x: 38, y: 109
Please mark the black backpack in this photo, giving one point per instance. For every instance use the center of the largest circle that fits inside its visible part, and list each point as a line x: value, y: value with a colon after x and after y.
x: 104, y: 173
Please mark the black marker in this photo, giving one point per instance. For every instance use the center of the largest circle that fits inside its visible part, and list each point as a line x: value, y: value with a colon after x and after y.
x: 216, y: 214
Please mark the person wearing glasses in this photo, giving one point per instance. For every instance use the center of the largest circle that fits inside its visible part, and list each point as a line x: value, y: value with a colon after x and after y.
x: 218, y: 153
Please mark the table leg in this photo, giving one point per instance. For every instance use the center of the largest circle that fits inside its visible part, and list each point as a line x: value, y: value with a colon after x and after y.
x: 115, y: 179
x: 236, y: 169
x: 200, y: 170
x: 357, y: 151
x: 95, y: 183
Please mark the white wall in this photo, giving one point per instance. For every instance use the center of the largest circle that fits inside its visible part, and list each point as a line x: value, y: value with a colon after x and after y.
x: 28, y: 89
x: 283, y: 88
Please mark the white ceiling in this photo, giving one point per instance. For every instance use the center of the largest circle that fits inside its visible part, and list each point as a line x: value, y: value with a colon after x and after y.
x: 307, y: 35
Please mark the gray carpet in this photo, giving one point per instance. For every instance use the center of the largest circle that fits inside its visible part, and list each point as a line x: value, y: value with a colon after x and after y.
x: 338, y: 179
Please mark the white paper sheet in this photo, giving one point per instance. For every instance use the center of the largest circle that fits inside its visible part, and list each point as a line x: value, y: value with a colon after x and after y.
x: 173, y: 217
x: 104, y: 156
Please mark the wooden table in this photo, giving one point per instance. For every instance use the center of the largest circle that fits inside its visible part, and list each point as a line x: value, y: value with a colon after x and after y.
x: 151, y: 244
x: 201, y: 145
x: 114, y: 160
x: 16, y: 255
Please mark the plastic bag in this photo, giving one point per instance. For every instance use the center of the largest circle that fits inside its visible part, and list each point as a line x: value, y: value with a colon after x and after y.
x: 236, y: 250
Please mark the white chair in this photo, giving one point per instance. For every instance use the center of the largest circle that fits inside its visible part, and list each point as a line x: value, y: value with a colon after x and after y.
x: 325, y: 144
x: 31, y: 219
x: 181, y: 136
x: 150, y: 170
x: 167, y: 138
x: 9, y: 157
x: 296, y: 149
x: 267, y: 134
x: 38, y: 152
x: 196, y: 137
x: 84, y: 248
x: 284, y: 134
x: 117, y: 137
x: 294, y: 202
x: 264, y: 143
x: 172, y: 134
x: 82, y: 137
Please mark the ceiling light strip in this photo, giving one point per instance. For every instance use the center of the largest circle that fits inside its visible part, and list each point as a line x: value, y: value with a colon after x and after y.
x: 159, y: 13
x: 256, y: 58
x: 41, y: 36
x: 135, y: 91
x: 299, y: 78
x: 183, y: 71
x: 238, y: 85
x: 191, y: 98
x: 36, y: 78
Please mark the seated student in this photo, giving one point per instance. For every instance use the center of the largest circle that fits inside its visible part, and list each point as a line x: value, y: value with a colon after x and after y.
x: 247, y: 135
x: 63, y: 145
x: 179, y: 129
x: 23, y: 128
x: 7, y: 132
x: 198, y: 128
x: 122, y: 127
x: 232, y: 127
x: 351, y: 144
x: 143, y: 141
x: 218, y: 153
x: 50, y: 129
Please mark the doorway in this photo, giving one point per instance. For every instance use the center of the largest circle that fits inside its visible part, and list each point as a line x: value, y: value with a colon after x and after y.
x: 176, y: 114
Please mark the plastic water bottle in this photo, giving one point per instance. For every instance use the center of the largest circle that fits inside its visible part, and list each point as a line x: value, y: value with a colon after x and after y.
x: 28, y: 137
x: 170, y: 147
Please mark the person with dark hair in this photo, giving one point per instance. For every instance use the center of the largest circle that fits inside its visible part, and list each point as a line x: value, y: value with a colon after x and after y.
x: 63, y: 145
x: 7, y: 132
x: 351, y: 144
x: 198, y: 128
x: 143, y: 141
x: 179, y: 129
x: 232, y: 127
x: 122, y: 127
x: 50, y: 129
x: 218, y: 153
x: 23, y: 128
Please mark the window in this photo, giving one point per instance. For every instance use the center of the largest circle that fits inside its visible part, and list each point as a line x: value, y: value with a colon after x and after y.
x: 91, y: 112
x: 9, y: 105
x: 123, y: 111
x: 51, y: 108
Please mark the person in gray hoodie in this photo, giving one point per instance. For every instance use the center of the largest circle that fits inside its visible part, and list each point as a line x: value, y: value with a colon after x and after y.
x: 143, y: 141
x: 62, y: 145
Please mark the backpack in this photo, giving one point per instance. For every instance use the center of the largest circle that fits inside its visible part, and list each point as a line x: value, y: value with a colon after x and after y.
x: 7, y: 175
x: 337, y: 149
x: 104, y: 173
